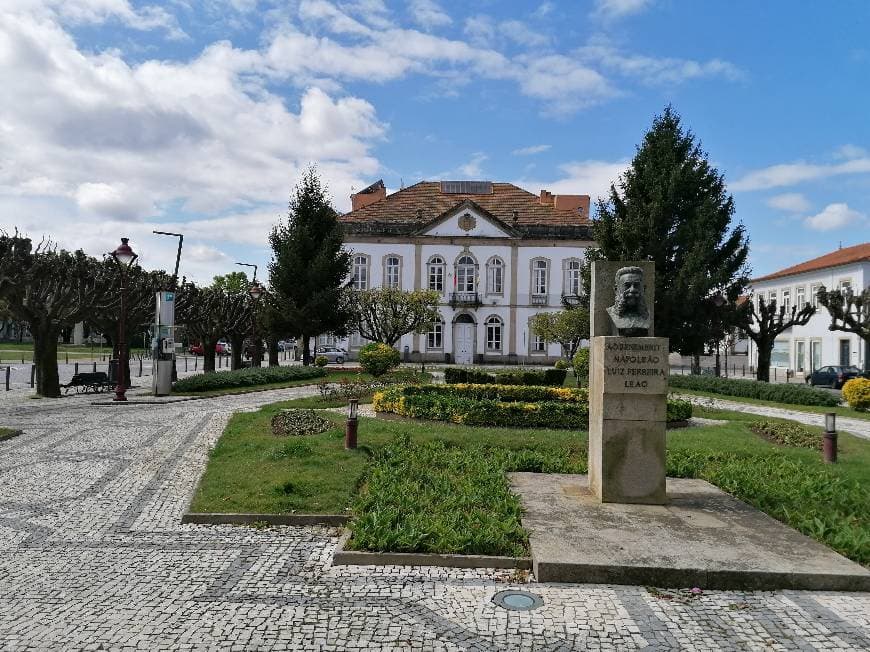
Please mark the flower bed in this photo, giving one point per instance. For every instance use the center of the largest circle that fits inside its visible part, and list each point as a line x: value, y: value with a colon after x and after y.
x: 500, y: 405
x: 779, y: 392
x: 552, y: 377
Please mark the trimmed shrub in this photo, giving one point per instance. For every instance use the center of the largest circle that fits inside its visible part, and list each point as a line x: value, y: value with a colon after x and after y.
x: 377, y: 358
x: 581, y: 366
x: 499, y: 405
x: 321, y: 361
x: 250, y: 377
x: 297, y: 423
x: 561, y: 364
x: 551, y: 377
x: 780, y: 393
x: 857, y: 393
x: 787, y: 434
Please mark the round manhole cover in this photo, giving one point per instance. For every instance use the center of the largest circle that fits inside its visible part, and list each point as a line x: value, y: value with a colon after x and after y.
x: 517, y: 600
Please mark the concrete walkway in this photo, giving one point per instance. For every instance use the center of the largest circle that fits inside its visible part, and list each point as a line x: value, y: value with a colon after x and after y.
x: 857, y: 427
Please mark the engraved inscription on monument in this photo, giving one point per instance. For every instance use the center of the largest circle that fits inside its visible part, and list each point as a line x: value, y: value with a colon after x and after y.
x: 635, y: 365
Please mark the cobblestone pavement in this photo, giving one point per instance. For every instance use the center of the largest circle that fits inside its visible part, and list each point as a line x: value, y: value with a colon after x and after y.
x: 857, y: 427
x: 92, y: 554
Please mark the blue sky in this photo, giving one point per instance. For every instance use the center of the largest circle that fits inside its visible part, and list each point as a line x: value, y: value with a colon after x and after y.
x: 123, y: 117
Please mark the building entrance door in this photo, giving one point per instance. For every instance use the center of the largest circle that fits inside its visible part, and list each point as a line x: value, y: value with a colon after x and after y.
x: 463, y: 351
x: 815, y: 355
x: 845, y: 353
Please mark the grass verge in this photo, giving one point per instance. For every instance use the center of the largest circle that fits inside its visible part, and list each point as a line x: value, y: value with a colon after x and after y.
x: 6, y: 433
x: 814, y: 409
x: 430, y: 487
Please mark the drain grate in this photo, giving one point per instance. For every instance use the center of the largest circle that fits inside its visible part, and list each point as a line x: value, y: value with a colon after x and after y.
x: 517, y: 600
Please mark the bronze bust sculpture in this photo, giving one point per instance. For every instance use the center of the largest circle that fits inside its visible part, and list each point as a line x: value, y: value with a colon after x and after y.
x: 629, y: 312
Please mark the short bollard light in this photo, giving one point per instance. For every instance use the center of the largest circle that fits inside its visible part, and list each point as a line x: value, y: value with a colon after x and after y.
x: 829, y: 443
x: 350, y: 429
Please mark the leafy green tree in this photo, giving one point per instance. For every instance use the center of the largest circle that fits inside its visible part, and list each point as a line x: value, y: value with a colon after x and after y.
x: 850, y: 313
x: 232, y: 283
x: 48, y: 289
x: 310, y: 267
x: 208, y: 314
x: 385, y: 314
x: 764, y: 324
x: 672, y: 207
x: 567, y: 327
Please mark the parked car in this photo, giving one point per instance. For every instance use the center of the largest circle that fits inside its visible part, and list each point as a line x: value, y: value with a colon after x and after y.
x: 835, y: 376
x: 332, y: 353
x: 220, y: 348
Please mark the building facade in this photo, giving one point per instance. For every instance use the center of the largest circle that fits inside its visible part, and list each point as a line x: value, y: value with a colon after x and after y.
x: 496, y: 254
x: 806, y: 348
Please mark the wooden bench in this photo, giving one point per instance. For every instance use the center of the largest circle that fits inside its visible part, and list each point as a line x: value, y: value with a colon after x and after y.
x: 96, y: 381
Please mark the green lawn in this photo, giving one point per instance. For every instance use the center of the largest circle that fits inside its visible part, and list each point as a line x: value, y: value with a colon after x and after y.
x: 14, y: 352
x: 390, y: 483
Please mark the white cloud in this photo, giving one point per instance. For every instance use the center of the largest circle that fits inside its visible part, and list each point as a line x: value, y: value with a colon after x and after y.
x: 834, y: 216
x: 613, y: 9
x: 591, y: 178
x: 483, y: 31
x: 428, y: 14
x: 793, y: 202
x: 850, y: 152
x: 108, y: 200
x: 522, y: 34
x: 473, y: 168
x: 790, y: 174
x: 529, y: 151
x: 91, y: 12
x: 543, y: 10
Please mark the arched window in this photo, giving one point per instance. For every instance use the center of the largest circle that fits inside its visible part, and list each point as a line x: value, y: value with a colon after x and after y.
x: 392, y: 272
x: 495, y: 276
x: 435, y: 335
x: 572, y: 284
x: 361, y: 272
x: 540, y: 277
x: 436, y: 273
x: 466, y: 274
x: 493, y: 334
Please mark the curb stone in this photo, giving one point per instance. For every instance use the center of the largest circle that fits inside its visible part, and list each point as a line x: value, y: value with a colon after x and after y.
x: 202, y: 518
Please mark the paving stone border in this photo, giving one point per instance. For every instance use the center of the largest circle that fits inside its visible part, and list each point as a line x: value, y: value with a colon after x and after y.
x: 203, y: 518
x: 344, y: 557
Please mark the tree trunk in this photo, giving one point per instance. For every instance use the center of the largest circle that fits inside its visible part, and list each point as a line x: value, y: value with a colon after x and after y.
x: 238, y: 344
x: 763, y: 370
x: 208, y: 355
x: 306, y: 351
x: 696, y: 363
x: 272, y: 344
x: 45, y: 359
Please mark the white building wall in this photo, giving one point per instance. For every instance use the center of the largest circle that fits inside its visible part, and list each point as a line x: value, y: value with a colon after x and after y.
x: 816, y: 334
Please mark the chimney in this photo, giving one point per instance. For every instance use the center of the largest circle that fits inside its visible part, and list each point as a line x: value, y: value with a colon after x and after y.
x: 375, y: 192
x: 576, y: 203
x: 546, y: 198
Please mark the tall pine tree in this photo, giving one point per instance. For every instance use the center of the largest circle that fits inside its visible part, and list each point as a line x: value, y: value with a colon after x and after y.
x: 672, y: 207
x: 309, y: 268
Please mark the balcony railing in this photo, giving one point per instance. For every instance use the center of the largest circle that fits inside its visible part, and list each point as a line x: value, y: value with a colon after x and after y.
x: 465, y: 299
x: 540, y: 299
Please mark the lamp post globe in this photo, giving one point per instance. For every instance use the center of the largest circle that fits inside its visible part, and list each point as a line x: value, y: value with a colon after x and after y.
x: 124, y: 257
x: 255, y: 291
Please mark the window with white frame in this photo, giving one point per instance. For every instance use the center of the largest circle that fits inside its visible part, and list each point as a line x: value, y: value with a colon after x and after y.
x: 540, y: 277
x: 356, y: 340
x: 493, y: 334
x: 572, y: 282
x: 814, y: 294
x: 846, y: 285
x: 771, y: 298
x: 800, y: 297
x: 436, y: 274
x: 466, y: 274
x: 786, y: 300
x: 360, y: 272
x: 760, y: 301
x: 495, y: 276
x: 435, y: 336
x: 392, y: 271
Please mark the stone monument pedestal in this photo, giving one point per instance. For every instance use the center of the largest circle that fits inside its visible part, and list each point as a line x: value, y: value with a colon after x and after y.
x: 627, y: 419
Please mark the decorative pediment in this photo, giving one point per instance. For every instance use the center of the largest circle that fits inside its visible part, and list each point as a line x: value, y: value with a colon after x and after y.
x: 467, y: 219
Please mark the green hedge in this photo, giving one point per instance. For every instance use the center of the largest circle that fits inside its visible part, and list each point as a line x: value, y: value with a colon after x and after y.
x: 248, y: 377
x: 500, y: 406
x: 778, y: 392
x: 552, y: 377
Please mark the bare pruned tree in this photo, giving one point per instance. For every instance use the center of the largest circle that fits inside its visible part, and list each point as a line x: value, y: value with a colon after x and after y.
x: 765, y: 323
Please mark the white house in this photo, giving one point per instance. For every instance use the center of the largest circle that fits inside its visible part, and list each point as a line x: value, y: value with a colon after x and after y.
x: 496, y: 253
x: 806, y: 348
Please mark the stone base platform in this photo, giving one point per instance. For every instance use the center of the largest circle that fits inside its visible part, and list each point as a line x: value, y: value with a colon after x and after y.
x: 703, y: 537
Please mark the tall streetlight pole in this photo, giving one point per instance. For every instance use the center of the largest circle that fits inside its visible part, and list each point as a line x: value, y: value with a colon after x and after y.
x: 177, y: 256
x: 255, y: 292
x: 253, y: 280
x: 124, y: 257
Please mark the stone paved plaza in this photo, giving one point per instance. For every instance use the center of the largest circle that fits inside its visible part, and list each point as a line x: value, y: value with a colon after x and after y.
x: 93, y: 556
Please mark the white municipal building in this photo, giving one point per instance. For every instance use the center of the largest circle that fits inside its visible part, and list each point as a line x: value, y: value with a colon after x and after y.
x: 496, y: 254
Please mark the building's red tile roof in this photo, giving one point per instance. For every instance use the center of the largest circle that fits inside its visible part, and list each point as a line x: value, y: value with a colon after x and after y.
x: 423, y: 202
x: 845, y: 256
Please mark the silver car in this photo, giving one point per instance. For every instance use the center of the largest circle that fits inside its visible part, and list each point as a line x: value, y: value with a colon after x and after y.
x: 332, y: 353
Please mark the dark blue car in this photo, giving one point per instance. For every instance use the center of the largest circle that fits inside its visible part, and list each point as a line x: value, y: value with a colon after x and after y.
x: 834, y: 376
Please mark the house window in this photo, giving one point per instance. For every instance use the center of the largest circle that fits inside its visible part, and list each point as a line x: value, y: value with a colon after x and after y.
x: 435, y: 336
x: 771, y: 299
x: 360, y: 272
x: 436, y: 273
x: 814, y: 293
x: 846, y: 286
x: 539, y: 277
x: 466, y: 272
x: 493, y: 334
x: 572, y: 281
x: 356, y: 340
x: 800, y: 298
x: 786, y: 300
x: 538, y: 344
x: 392, y: 271
x: 495, y: 276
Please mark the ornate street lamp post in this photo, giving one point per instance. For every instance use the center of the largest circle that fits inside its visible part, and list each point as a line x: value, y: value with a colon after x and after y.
x: 255, y: 292
x: 124, y: 258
